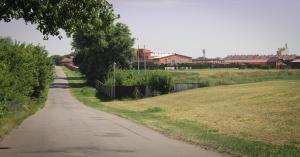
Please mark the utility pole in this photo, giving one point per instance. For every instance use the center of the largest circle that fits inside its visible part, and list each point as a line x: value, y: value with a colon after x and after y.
x: 138, y: 58
x: 145, y: 59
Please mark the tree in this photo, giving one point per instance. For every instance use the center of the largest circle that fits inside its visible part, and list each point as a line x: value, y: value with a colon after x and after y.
x: 98, y: 48
x: 57, y: 59
x: 52, y: 15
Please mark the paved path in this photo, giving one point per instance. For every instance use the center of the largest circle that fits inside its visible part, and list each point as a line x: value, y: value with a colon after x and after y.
x: 65, y: 127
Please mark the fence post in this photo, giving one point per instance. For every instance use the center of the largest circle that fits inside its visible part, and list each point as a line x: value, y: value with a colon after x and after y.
x: 114, y: 94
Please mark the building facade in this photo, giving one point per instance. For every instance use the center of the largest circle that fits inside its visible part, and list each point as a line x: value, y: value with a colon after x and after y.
x: 248, y: 59
x: 144, y: 54
x: 173, y: 59
x: 203, y: 60
x: 149, y: 57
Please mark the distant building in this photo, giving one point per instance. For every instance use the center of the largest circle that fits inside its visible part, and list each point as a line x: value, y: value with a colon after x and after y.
x: 173, y: 59
x: 283, y: 51
x: 203, y: 60
x: 295, y: 64
x: 68, y: 62
x: 275, y: 61
x: 150, y: 57
x: 282, y: 55
x: 144, y: 54
x: 248, y: 59
x: 280, y: 60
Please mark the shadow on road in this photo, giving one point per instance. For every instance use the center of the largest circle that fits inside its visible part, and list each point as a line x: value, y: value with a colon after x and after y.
x: 70, y: 78
x: 67, y: 85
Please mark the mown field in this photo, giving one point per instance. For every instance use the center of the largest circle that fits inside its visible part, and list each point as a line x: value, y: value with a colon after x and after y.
x: 232, y: 76
x: 254, y: 119
x: 265, y: 111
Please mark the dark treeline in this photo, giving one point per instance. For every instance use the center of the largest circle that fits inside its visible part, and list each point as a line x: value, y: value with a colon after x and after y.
x: 25, y: 75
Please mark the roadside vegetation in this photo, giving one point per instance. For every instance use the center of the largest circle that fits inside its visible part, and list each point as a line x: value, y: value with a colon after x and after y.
x: 159, y: 81
x: 25, y: 75
x: 255, y: 119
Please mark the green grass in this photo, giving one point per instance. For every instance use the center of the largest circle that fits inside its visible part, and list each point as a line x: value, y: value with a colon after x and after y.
x: 215, y: 77
x: 178, y: 117
x: 14, y: 118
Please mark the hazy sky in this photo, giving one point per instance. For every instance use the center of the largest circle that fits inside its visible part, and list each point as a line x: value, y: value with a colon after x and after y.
x: 222, y: 27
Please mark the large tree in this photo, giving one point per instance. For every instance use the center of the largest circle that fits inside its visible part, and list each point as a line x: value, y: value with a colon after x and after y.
x: 98, y: 48
x: 53, y: 15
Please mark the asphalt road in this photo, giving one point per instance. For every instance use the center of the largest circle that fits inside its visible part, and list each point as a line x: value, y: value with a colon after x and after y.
x: 65, y: 127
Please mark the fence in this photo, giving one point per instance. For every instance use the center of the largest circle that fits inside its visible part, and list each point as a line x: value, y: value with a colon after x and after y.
x: 123, y: 91
x: 107, y: 90
x: 138, y: 91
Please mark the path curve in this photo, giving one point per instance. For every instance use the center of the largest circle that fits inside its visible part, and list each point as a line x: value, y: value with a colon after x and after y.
x: 67, y: 128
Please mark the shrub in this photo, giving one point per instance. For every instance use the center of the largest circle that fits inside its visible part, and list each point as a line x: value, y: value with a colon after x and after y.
x: 160, y: 81
x: 25, y: 73
x: 126, y: 78
x: 88, y: 91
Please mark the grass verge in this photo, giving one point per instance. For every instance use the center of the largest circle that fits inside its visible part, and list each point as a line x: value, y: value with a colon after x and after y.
x: 12, y: 119
x: 194, y: 131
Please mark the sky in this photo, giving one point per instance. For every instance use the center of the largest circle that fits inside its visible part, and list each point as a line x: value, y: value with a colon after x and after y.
x: 221, y: 27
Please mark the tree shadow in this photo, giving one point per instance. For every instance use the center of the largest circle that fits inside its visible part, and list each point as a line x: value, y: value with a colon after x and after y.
x: 70, y: 78
x: 67, y: 85
x: 103, y: 97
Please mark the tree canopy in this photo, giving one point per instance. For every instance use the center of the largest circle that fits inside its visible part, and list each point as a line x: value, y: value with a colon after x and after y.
x: 97, y: 39
x: 98, y: 48
x: 53, y: 15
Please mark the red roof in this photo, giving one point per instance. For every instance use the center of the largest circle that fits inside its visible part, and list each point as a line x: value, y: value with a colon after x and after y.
x: 144, y: 51
x: 175, y: 54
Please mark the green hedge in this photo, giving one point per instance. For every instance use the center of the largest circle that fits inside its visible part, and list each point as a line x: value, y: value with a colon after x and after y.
x: 25, y: 74
x: 126, y: 78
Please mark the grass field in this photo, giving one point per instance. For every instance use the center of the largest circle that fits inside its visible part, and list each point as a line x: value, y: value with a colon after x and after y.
x: 233, y: 76
x: 265, y: 111
x: 255, y: 119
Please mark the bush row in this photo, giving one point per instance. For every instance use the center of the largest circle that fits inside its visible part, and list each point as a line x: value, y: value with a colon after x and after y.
x: 159, y: 81
x: 25, y: 74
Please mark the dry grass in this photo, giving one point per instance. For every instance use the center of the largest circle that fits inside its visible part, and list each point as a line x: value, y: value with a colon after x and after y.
x: 232, y: 74
x: 265, y: 111
x: 205, y: 73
